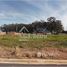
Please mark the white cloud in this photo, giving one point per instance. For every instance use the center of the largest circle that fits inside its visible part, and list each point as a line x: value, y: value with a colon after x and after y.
x: 46, y: 10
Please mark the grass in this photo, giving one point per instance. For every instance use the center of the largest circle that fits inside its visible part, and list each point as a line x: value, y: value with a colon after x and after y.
x: 58, y: 41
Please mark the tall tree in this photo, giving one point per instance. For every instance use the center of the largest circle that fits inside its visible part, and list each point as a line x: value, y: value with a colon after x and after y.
x: 54, y: 25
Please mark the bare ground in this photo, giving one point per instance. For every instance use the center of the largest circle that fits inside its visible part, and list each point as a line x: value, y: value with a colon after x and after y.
x: 44, y: 53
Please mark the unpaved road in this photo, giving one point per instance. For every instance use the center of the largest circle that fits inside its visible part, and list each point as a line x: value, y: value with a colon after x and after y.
x: 31, y: 65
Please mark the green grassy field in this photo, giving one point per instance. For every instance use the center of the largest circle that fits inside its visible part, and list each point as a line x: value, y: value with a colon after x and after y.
x: 57, y: 41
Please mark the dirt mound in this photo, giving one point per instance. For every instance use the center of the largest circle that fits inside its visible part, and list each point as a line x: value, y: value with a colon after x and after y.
x: 46, y: 53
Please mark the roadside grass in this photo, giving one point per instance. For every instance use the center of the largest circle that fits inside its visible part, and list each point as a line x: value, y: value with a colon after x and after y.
x: 57, y: 41
x: 57, y: 38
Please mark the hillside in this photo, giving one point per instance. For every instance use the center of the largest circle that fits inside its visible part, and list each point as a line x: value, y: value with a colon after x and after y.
x: 47, y: 47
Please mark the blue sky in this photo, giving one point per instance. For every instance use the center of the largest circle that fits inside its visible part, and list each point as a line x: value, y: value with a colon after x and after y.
x: 27, y: 11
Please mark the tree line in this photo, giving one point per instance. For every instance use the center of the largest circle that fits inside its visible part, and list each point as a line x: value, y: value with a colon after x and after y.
x: 52, y: 25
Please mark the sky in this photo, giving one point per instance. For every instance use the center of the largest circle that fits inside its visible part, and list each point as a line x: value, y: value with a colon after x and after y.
x: 28, y: 11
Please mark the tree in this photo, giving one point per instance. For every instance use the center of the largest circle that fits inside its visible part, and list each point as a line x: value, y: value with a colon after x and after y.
x: 54, y: 25
x: 59, y: 27
x: 51, y: 19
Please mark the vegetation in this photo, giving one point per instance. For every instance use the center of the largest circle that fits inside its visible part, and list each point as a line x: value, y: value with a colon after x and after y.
x: 29, y: 42
x: 52, y: 25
